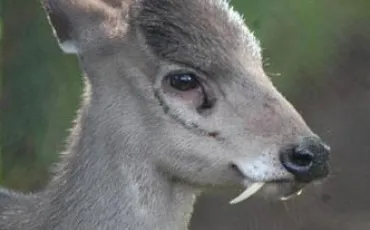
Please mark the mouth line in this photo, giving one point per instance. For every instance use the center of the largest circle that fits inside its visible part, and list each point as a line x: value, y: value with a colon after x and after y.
x: 253, y: 187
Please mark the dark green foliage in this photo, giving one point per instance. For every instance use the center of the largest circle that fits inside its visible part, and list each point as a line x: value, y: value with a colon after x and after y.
x: 302, y: 38
x: 39, y: 96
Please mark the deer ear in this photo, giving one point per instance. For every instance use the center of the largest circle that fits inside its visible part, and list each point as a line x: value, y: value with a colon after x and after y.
x: 76, y: 22
x: 62, y: 26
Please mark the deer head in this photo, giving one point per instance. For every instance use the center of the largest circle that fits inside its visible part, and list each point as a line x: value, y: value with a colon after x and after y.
x: 180, y: 85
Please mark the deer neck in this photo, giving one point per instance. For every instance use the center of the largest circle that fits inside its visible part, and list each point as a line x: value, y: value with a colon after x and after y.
x: 110, y: 182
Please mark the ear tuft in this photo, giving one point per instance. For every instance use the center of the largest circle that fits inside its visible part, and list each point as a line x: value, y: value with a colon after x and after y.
x: 61, y: 26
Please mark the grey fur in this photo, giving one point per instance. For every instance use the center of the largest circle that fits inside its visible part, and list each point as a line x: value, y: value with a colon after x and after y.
x: 137, y: 156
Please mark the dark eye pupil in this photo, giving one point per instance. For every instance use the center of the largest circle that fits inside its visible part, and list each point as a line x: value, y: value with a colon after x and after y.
x: 184, y: 82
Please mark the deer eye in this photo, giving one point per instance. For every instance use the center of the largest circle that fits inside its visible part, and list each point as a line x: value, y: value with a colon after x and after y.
x: 184, y: 82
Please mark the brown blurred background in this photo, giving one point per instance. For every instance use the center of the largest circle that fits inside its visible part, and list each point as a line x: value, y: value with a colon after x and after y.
x: 318, y: 54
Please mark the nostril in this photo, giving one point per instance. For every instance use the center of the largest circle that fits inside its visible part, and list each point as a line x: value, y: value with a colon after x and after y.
x: 298, y: 161
x: 301, y: 157
x: 308, y: 160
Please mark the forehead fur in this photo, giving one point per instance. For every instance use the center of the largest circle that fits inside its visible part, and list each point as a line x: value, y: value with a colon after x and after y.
x: 200, y: 33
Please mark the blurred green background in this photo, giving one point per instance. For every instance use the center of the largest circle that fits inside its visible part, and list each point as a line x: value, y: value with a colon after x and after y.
x: 316, y: 51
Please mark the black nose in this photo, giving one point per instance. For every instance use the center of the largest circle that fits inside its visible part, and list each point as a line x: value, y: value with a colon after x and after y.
x: 307, y: 161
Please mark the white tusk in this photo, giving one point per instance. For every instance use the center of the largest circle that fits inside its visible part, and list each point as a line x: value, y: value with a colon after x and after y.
x: 247, y: 193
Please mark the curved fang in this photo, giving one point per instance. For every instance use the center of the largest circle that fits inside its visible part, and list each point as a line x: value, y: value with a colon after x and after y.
x: 251, y: 190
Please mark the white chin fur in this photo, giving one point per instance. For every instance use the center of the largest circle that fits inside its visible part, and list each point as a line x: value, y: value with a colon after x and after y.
x: 250, y: 191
